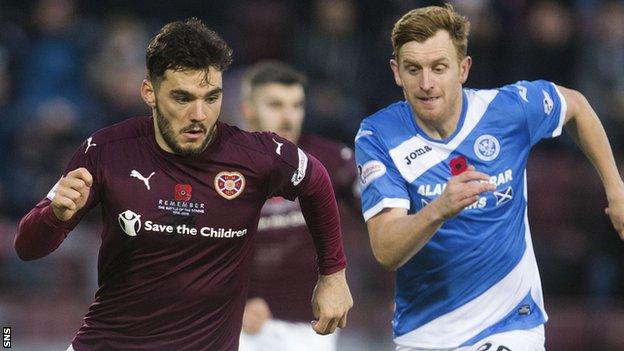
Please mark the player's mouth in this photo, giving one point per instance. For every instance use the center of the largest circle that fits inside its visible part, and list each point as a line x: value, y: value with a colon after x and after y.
x: 429, y: 100
x: 193, y: 133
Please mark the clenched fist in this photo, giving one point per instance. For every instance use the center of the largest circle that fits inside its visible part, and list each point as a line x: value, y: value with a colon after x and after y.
x: 331, y: 302
x: 72, y: 193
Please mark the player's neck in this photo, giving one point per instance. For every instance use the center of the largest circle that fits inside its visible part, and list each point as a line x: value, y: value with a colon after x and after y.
x: 440, y: 128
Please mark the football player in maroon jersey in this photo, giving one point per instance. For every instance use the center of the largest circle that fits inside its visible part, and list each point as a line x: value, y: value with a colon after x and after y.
x: 284, y: 267
x: 181, y: 195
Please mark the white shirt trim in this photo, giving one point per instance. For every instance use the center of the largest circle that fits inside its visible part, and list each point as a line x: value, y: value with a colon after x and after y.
x: 386, y: 203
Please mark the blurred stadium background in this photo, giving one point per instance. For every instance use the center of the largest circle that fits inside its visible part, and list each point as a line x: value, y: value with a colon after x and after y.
x: 69, y: 67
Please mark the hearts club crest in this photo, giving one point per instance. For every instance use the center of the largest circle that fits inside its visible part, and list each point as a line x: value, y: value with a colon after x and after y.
x: 229, y: 184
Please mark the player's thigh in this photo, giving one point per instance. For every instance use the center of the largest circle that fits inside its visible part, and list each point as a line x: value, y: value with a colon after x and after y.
x: 514, y: 340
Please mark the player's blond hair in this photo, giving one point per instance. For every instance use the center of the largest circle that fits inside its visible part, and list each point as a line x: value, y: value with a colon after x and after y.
x: 423, y: 23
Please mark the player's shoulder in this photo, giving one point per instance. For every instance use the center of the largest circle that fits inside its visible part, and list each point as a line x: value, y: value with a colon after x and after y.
x: 390, y: 126
x: 387, y: 122
x: 388, y: 117
x: 263, y: 143
x: 130, y: 129
x: 522, y: 88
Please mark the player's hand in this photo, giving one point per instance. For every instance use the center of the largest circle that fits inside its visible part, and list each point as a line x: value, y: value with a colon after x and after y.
x: 257, y: 312
x: 331, y: 301
x: 72, y: 193
x: 615, y: 211
x: 462, y: 190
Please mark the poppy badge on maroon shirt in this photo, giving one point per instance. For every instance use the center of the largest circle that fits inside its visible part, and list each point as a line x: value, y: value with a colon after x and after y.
x: 183, y: 192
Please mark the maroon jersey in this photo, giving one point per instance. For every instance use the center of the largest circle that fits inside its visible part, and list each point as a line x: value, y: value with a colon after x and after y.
x: 284, y: 269
x: 177, y: 240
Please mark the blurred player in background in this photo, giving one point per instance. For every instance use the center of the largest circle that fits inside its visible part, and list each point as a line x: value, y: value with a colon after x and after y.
x: 444, y: 190
x: 284, y: 269
x: 181, y: 195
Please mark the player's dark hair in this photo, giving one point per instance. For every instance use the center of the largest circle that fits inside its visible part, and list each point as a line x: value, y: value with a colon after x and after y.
x: 186, y: 45
x: 423, y: 23
x: 268, y: 72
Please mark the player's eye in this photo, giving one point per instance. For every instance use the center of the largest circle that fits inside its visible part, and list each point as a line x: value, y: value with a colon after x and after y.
x: 275, y: 104
x: 439, y: 69
x: 182, y: 99
x: 212, y: 99
x: 413, y: 69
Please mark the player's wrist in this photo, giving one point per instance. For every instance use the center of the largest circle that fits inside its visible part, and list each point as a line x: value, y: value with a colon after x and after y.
x: 615, y: 192
x: 435, y: 214
x: 333, y: 276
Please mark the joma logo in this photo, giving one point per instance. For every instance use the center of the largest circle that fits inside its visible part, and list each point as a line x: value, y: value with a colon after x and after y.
x: 418, y: 152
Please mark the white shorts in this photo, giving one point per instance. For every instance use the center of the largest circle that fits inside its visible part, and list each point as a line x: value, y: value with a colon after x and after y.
x: 277, y: 335
x: 70, y: 348
x: 513, y: 340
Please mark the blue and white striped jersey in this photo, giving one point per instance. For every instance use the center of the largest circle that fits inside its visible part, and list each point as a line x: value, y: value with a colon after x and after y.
x: 477, y: 275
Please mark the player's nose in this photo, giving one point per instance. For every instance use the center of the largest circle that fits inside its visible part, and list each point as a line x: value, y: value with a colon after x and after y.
x: 198, y: 112
x: 426, y: 80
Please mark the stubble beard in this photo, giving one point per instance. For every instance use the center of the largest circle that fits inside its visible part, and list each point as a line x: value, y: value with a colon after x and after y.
x: 169, y: 136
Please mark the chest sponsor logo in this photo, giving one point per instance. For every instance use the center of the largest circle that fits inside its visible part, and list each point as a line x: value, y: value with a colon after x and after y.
x: 139, y: 176
x: 486, y: 147
x: 183, y: 192
x: 229, y: 184
x: 370, y: 171
x: 415, y: 153
x: 130, y: 223
x: 429, y: 192
x: 89, y: 144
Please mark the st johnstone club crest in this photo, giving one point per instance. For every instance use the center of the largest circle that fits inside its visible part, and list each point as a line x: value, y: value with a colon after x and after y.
x: 229, y: 184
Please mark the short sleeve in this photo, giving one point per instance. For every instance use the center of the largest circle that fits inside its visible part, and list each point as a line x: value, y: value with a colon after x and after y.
x: 544, y: 108
x: 381, y: 184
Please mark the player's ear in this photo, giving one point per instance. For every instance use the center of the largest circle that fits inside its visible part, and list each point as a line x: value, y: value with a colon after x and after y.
x: 394, y: 66
x: 247, y: 110
x: 464, y: 68
x: 148, y: 94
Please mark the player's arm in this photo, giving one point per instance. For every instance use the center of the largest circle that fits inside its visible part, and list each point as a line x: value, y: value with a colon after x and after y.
x: 331, y: 299
x: 396, y: 236
x: 293, y: 174
x: 43, y: 229
x: 582, y: 123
